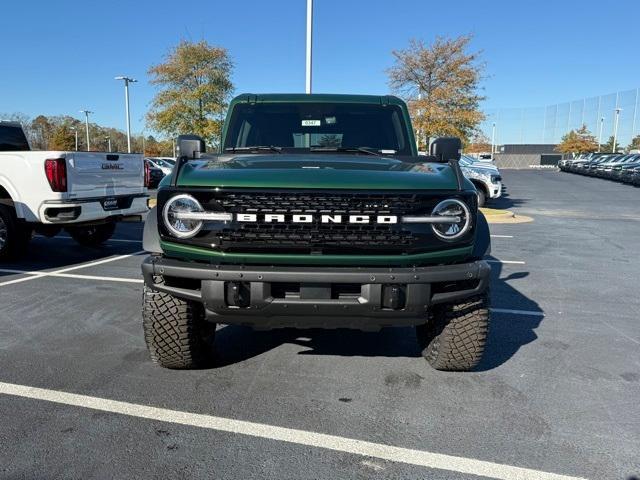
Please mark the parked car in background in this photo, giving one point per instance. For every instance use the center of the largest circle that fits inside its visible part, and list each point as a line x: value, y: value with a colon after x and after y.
x: 589, y: 167
x: 161, y: 164
x: 170, y: 160
x: 625, y: 173
x: 484, y: 176
x: 84, y: 193
x: 614, y: 166
x: 612, y: 170
x: 566, y: 163
x: 604, y: 169
x: 155, y: 175
x: 577, y: 163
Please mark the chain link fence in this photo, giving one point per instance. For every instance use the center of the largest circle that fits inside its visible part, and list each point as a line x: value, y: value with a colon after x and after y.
x: 547, y: 125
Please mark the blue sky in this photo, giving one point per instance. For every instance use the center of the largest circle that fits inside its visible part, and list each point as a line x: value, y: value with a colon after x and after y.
x: 61, y: 56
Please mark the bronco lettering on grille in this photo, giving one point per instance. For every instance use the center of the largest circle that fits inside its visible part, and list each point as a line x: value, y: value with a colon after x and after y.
x: 309, y: 218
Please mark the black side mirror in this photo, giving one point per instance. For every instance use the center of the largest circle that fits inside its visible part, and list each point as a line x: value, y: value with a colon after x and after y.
x: 190, y: 146
x: 448, y: 150
x: 445, y: 148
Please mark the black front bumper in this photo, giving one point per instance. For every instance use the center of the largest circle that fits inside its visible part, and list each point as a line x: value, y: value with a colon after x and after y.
x: 329, y: 297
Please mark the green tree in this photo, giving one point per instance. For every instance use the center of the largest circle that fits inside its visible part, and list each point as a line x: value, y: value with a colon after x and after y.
x: 62, y: 138
x: 41, y: 130
x: 194, y: 90
x: 478, y: 144
x: 441, y: 84
x: 635, y: 143
x: 608, y: 147
x: 578, y: 141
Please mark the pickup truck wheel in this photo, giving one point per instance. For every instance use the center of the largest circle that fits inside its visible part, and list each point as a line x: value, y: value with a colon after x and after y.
x: 176, y: 334
x: 93, y: 235
x: 14, y: 238
x: 454, y: 337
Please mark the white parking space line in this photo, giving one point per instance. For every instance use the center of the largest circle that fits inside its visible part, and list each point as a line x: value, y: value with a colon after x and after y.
x: 99, y: 262
x: 532, y: 313
x: 508, y: 262
x: 299, y: 437
x: 501, y: 236
x: 37, y: 274
x: 97, y: 277
x: 34, y: 274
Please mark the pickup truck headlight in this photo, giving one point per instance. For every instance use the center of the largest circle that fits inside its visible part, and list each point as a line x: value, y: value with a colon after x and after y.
x: 451, y: 208
x: 178, y: 216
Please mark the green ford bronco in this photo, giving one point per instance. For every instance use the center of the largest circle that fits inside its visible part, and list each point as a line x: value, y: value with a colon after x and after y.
x: 316, y: 213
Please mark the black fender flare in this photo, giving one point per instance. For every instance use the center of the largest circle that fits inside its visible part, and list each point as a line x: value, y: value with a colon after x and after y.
x: 150, y: 235
x: 482, y: 242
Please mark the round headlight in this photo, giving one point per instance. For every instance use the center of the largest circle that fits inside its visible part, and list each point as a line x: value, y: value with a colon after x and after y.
x: 458, y: 219
x: 174, y: 220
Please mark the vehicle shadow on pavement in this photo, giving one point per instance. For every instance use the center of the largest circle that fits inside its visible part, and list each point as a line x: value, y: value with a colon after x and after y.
x: 508, y: 332
x: 505, y: 202
x: 235, y: 343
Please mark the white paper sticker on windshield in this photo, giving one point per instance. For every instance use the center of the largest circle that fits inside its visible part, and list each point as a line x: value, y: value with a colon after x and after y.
x: 311, y: 123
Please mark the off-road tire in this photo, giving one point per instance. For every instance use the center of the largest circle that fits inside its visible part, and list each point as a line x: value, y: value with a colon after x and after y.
x: 15, y: 237
x: 454, y: 337
x: 175, y: 331
x: 92, y: 235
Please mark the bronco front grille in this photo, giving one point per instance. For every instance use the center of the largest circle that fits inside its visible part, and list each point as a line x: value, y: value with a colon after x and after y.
x: 317, y: 237
x: 348, y: 203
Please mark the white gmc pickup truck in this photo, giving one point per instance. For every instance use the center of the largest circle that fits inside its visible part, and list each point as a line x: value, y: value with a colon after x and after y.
x: 84, y: 193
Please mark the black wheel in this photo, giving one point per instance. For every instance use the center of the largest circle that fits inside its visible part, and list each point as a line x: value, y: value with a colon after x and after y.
x: 482, y: 197
x: 175, y: 331
x: 14, y: 238
x: 92, y: 235
x: 455, y: 335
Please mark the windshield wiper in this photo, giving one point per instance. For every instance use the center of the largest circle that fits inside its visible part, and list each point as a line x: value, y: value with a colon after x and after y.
x: 367, y: 150
x: 272, y: 148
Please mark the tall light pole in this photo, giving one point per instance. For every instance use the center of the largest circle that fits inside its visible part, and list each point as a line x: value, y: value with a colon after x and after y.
x: 493, y: 139
x: 600, y: 134
x: 75, y: 130
x: 615, y: 129
x: 127, y: 80
x: 309, y: 44
x: 108, y: 139
x: 86, y: 123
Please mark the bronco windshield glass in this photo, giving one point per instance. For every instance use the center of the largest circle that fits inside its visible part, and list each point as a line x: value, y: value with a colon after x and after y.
x: 293, y: 126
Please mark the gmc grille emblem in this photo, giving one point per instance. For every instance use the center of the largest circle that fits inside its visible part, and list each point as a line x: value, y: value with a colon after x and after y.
x: 308, y: 218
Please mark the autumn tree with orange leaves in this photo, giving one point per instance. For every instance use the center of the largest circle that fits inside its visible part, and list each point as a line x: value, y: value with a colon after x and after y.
x: 194, y: 90
x: 441, y: 85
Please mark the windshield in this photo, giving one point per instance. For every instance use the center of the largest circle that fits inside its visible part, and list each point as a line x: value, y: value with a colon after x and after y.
x: 327, y: 126
x: 163, y: 163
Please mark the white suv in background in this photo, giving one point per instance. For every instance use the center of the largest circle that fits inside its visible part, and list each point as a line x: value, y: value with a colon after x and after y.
x: 485, y: 176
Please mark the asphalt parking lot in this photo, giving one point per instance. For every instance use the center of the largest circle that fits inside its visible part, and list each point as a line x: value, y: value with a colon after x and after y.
x: 557, y: 395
